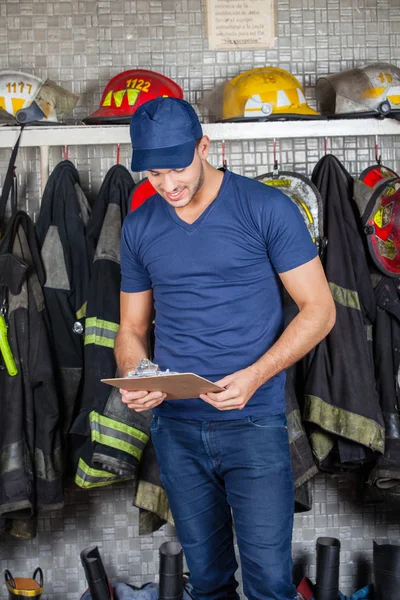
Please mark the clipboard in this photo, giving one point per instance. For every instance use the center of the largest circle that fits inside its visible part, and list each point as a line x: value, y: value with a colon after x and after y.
x: 177, y: 386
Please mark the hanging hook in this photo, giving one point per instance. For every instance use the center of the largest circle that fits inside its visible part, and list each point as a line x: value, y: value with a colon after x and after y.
x: 325, y: 146
x: 224, y: 161
x: 378, y: 157
x: 66, y: 153
x: 276, y: 164
x: 118, y: 153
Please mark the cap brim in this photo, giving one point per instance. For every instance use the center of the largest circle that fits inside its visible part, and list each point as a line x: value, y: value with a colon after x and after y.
x: 174, y: 157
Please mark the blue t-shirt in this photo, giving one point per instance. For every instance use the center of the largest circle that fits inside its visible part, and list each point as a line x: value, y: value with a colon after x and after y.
x: 217, y: 294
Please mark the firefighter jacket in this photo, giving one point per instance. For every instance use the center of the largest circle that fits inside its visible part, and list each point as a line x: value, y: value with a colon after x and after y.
x: 341, y: 400
x: 384, y: 479
x: 302, y: 461
x: 30, y: 440
x: 112, y: 436
x: 61, y: 230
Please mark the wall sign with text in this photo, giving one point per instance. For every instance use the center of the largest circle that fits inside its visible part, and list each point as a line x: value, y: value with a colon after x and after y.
x: 240, y: 24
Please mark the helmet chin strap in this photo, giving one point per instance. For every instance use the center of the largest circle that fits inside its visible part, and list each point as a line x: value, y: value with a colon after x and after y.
x: 30, y: 114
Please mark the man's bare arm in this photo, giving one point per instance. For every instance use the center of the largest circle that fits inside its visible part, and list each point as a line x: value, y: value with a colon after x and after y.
x: 132, y: 341
x: 309, y: 289
x: 132, y: 344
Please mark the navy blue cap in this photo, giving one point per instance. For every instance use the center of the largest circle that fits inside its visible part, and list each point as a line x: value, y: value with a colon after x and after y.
x: 164, y: 133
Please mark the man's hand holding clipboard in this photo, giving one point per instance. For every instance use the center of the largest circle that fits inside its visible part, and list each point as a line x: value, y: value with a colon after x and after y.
x: 143, y: 392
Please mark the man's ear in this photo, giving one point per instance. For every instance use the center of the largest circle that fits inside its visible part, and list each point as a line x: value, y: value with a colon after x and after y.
x: 204, y: 147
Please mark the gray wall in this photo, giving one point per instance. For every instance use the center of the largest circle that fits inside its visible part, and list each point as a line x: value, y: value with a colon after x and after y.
x: 81, y: 45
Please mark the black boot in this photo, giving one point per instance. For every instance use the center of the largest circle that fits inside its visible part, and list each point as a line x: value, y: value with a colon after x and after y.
x: 328, y: 561
x: 171, y: 571
x: 386, y: 571
x: 99, y: 585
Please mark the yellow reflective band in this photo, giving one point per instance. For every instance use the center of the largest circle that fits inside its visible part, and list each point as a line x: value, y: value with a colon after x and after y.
x: 394, y: 99
x: 107, y: 440
x: 81, y: 313
x: 99, y: 341
x: 25, y: 593
x: 132, y: 96
x: 95, y: 477
x: 373, y: 92
x: 342, y: 422
x: 87, y: 484
x: 378, y: 217
x: 2, y: 102
x: 107, y: 422
x: 92, y: 471
x: 306, y: 210
x: 153, y: 498
x: 100, y: 332
x: 387, y: 249
x: 344, y: 296
x: 17, y: 104
x: 118, y: 97
x: 278, y: 182
x: 107, y: 99
x: 321, y: 443
x: 95, y: 322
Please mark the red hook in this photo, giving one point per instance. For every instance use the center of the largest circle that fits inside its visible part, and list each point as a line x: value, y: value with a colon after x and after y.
x: 118, y: 153
x: 224, y: 161
x: 276, y: 165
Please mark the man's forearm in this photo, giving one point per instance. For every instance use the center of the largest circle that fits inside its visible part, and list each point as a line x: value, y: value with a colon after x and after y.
x: 129, y: 348
x: 306, y: 330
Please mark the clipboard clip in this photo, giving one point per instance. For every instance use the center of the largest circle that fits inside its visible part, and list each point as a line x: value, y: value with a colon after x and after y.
x: 146, y: 368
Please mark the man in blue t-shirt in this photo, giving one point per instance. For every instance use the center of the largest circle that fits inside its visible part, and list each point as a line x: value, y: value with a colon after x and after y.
x: 210, y: 253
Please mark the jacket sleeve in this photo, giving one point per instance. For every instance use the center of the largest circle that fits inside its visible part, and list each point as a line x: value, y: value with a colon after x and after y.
x: 48, y: 451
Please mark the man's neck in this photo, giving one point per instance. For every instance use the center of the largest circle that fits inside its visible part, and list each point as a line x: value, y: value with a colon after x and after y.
x: 204, y: 197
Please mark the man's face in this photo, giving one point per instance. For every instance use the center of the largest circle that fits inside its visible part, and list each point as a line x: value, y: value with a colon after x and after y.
x: 179, y: 186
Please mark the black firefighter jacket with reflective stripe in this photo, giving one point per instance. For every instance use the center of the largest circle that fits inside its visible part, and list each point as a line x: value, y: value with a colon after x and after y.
x: 341, y: 400
x: 114, y: 436
x: 61, y: 230
x: 30, y: 440
x: 385, y: 476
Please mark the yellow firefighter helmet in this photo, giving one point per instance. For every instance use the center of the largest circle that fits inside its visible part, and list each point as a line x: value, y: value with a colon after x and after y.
x: 265, y: 93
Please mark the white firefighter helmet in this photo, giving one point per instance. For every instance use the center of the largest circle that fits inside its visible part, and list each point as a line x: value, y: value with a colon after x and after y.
x: 29, y: 99
x: 304, y: 195
x: 371, y: 90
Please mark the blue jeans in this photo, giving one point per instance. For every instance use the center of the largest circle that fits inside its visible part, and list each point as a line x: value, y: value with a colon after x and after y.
x: 215, y: 470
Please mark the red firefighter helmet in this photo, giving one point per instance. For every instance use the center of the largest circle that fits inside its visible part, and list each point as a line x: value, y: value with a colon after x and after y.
x: 142, y: 191
x: 129, y: 90
x: 374, y: 174
x: 379, y: 208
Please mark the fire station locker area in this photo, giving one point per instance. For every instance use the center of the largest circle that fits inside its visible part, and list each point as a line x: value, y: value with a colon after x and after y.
x: 78, y: 470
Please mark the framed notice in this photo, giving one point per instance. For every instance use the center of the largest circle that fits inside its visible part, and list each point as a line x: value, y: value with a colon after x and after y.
x: 240, y: 24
